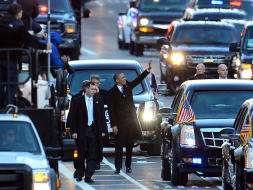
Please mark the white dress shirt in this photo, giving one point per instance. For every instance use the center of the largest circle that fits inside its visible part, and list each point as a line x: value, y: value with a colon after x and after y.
x: 89, y: 105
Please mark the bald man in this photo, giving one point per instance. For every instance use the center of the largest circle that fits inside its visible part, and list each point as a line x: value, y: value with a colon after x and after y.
x: 200, y: 73
x: 222, y: 71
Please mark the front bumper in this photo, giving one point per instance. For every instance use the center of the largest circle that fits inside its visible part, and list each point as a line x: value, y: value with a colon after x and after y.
x: 248, y: 173
x: 149, y: 40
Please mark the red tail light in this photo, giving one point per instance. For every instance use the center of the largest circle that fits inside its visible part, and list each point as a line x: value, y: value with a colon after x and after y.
x: 236, y: 3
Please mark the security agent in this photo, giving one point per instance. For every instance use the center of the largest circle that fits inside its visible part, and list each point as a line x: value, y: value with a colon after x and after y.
x: 13, y: 34
x: 200, y: 73
x: 222, y: 71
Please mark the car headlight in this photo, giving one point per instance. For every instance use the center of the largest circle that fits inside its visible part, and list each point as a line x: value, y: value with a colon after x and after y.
x: 144, y: 21
x: 187, y: 136
x: 41, y: 179
x: 249, y: 158
x: 246, y: 72
x: 177, y: 59
x: 70, y: 28
x: 149, y: 111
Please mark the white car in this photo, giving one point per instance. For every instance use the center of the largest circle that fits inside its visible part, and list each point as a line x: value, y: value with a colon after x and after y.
x: 23, y: 162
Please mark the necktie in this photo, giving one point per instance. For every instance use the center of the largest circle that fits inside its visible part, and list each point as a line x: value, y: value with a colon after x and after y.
x: 122, y: 91
x: 90, y: 112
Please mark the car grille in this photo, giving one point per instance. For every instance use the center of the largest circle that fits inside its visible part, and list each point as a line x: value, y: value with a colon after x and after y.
x: 215, y: 161
x: 212, y: 139
x: 210, y: 61
x: 12, y: 179
x: 54, y: 27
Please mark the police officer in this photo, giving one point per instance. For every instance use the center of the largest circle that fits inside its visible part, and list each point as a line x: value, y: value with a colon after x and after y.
x: 13, y: 34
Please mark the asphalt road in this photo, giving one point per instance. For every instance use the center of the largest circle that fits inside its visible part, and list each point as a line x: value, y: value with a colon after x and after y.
x: 99, y: 38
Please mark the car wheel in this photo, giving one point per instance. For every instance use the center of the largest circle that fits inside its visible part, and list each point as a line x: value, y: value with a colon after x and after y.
x: 124, y: 44
x: 119, y: 42
x: 139, y: 48
x: 177, y: 178
x: 166, y: 171
x: 225, y: 177
x: 155, y: 149
x: 162, y: 70
x: 131, y: 47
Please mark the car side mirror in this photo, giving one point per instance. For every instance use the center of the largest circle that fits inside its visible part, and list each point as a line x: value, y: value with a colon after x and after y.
x: 86, y: 12
x: 234, y: 47
x: 163, y: 41
x: 121, y: 14
x: 132, y: 4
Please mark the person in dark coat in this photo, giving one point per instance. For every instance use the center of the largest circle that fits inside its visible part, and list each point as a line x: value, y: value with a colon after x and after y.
x: 123, y: 118
x: 87, y: 130
x: 13, y: 34
x: 200, y: 74
x: 31, y: 10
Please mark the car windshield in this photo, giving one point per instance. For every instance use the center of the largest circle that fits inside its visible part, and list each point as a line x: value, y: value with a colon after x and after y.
x: 246, y: 6
x: 106, y: 79
x: 218, y: 104
x: 18, y: 136
x: 163, y: 5
x: 204, y: 34
x: 248, y: 40
x: 57, y: 6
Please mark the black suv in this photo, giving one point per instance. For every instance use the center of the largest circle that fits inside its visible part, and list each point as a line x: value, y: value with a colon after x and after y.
x: 245, y: 5
x: 190, y: 42
x: 145, y: 102
x: 245, y: 52
x: 64, y: 22
x: 196, y: 147
x: 151, y: 22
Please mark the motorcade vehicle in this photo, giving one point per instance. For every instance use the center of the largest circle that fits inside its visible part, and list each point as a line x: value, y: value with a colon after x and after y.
x: 245, y: 5
x: 196, y: 147
x: 215, y: 13
x: 244, y: 49
x: 145, y: 102
x: 23, y: 162
x: 190, y: 42
x: 237, y: 151
x: 151, y: 22
x: 239, y: 24
x: 63, y: 21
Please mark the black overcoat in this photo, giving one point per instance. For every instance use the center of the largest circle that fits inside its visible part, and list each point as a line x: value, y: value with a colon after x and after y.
x: 79, y: 122
x: 122, y: 112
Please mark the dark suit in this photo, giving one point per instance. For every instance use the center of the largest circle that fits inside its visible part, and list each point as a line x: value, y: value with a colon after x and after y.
x: 199, y: 76
x: 89, y: 142
x: 122, y: 114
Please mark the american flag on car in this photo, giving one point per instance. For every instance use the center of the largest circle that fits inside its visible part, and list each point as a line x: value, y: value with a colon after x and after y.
x: 185, y: 112
x: 246, y: 131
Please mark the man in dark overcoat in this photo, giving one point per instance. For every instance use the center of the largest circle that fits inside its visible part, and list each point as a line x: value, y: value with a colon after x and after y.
x: 87, y: 130
x: 123, y: 118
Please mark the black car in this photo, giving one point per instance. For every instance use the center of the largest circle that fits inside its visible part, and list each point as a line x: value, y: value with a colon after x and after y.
x: 245, y: 52
x: 215, y: 13
x: 245, y: 5
x: 145, y: 102
x: 237, y: 172
x: 190, y: 42
x: 196, y: 147
x: 239, y: 25
x: 152, y: 22
x: 64, y: 22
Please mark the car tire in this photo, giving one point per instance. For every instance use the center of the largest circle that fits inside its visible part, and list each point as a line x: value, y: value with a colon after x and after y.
x: 53, y: 179
x: 166, y: 171
x: 131, y: 47
x: 124, y: 44
x: 162, y: 78
x: 177, y: 178
x: 119, y: 42
x: 225, y: 176
x: 155, y: 148
x: 138, y: 49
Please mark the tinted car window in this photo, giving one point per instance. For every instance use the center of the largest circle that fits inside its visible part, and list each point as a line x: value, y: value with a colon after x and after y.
x: 246, y: 6
x: 60, y: 6
x: 106, y: 79
x: 206, y: 34
x: 18, y: 136
x: 218, y: 104
x: 248, y: 40
x: 220, y: 15
x: 164, y: 5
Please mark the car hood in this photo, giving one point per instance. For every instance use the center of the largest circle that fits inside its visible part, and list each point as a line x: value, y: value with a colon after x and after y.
x: 161, y: 16
x: 214, y: 123
x: 35, y: 161
x: 56, y: 17
x: 200, y: 49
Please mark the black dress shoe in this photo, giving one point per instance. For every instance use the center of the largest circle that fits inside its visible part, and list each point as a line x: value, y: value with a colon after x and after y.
x: 128, y: 170
x: 88, y: 180
x: 98, y: 167
x: 76, y: 173
x: 117, y: 171
x: 78, y: 177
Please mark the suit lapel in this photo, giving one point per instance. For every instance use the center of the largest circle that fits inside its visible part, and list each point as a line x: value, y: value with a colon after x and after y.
x: 116, y: 89
x: 84, y: 106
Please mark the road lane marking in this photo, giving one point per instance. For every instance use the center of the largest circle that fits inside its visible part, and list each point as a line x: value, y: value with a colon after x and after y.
x: 210, y: 180
x: 65, y: 171
x: 99, y: 3
x: 89, y: 51
x: 124, y: 175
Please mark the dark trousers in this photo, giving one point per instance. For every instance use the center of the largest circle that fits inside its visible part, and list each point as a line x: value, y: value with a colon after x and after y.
x: 119, y: 155
x: 4, y: 100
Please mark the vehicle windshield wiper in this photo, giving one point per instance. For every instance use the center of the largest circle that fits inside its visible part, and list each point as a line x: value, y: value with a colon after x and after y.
x: 219, y: 43
x: 174, y: 10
